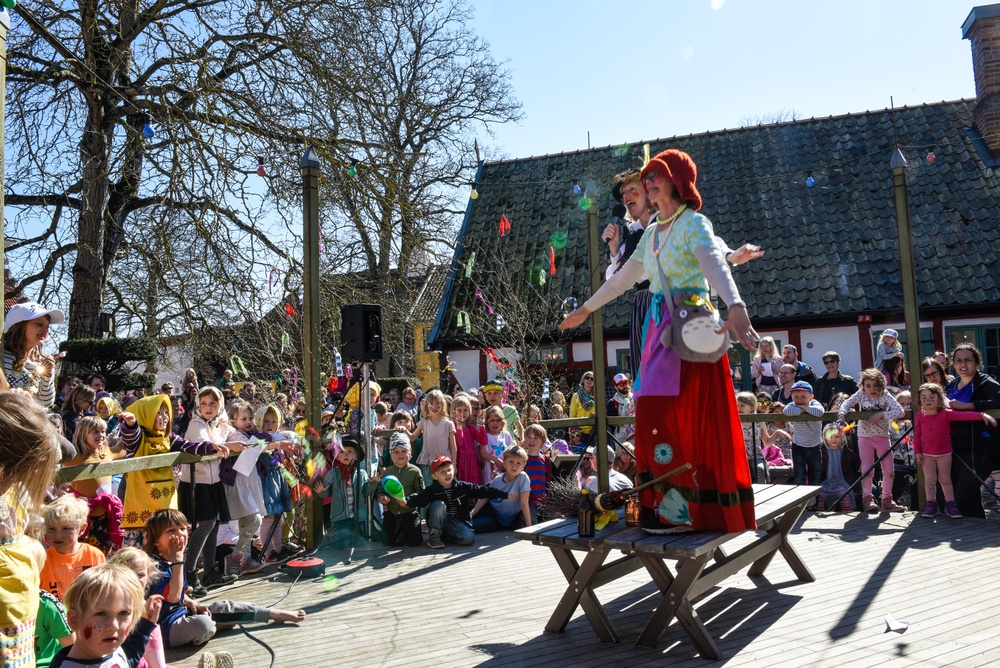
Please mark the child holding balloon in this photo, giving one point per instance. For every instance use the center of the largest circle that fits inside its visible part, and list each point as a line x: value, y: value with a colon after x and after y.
x: 401, y: 524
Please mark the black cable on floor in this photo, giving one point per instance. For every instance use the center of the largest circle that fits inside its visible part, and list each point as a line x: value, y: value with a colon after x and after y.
x: 258, y: 640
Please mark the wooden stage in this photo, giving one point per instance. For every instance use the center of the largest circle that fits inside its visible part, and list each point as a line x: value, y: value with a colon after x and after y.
x: 486, y: 605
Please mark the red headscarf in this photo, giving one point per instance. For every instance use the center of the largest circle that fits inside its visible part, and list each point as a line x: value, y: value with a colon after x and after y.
x: 682, y: 172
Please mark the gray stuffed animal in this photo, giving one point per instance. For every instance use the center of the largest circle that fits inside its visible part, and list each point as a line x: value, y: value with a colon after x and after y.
x: 692, y: 332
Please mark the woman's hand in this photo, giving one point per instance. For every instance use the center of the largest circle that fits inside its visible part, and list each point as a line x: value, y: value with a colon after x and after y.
x: 990, y: 420
x: 739, y: 326
x: 574, y: 319
x: 961, y: 405
x: 745, y: 253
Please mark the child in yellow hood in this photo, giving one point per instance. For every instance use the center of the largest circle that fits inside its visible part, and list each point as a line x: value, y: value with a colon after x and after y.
x: 146, y: 430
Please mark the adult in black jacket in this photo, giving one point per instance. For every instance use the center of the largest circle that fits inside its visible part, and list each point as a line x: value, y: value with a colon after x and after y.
x: 833, y: 382
x: 973, y: 443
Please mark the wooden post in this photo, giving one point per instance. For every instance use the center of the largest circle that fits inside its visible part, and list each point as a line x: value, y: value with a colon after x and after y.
x: 597, y: 342
x: 309, y: 168
x: 907, y: 277
x: 4, y: 27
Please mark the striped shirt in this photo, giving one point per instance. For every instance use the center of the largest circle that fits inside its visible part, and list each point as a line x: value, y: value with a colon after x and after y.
x: 537, y: 468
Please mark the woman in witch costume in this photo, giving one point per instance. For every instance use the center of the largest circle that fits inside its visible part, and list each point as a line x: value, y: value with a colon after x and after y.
x: 685, y: 410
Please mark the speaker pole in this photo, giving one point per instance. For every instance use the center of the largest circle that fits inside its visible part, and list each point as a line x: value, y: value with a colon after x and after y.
x: 309, y: 168
x: 366, y: 440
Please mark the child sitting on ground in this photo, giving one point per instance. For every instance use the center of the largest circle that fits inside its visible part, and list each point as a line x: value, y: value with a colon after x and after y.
x: 183, y: 622
x: 66, y: 558
x: 401, y: 524
x: 103, y: 607
x: 503, y: 513
x: 52, y: 631
x: 447, y: 504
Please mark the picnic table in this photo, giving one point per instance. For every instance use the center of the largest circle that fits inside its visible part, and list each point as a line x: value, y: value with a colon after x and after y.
x: 701, y: 563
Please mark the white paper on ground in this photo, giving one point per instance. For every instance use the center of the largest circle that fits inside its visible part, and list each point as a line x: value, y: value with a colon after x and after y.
x: 895, y: 625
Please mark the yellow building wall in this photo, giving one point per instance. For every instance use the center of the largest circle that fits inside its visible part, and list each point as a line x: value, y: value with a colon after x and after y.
x: 426, y: 361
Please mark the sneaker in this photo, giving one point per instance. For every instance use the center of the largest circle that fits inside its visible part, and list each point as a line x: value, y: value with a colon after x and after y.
x: 930, y: 510
x: 195, y: 587
x: 216, y: 660
x: 889, y: 506
x: 951, y: 509
x: 216, y: 579
x: 249, y: 565
x: 231, y: 565
x: 434, y: 540
x: 868, y: 503
x: 653, y: 525
x: 290, y: 549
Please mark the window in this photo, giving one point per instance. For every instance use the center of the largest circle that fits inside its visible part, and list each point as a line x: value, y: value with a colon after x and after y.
x: 624, y: 362
x: 984, y: 337
x: 547, y: 355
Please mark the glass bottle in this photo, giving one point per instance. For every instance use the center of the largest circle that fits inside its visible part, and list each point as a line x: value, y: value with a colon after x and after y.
x: 585, y: 516
x: 632, y: 512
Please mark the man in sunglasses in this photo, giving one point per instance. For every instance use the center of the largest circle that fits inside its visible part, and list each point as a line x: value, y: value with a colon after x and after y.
x: 833, y: 382
x: 622, y: 404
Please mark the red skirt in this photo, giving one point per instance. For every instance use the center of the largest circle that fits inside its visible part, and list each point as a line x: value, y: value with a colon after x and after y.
x: 700, y: 426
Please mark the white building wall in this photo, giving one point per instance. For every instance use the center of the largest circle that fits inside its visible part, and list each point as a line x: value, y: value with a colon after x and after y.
x: 466, y: 367
x: 843, y: 340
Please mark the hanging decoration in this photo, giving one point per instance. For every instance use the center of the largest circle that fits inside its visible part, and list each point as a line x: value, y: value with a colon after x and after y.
x: 286, y: 342
x: 810, y: 182
x: 501, y: 323
x: 568, y: 306
x: 552, y: 261
x: 338, y: 363
x: 479, y: 296
x: 545, y: 389
x: 238, y: 367
x: 504, y: 225
x: 348, y: 371
x: 273, y: 279
x: 148, y: 131
x: 302, y: 294
x: 352, y: 171
x: 931, y: 157
x: 463, y: 320
x: 577, y: 190
x: 289, y: 309
x: 475, y: 193
x: 470, y: 264
x: 261, y: 170
x: 495, y: 361
x: 645, y: 154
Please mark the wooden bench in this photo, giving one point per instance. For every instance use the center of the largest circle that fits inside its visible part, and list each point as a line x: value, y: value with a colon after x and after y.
x: 777, y: 509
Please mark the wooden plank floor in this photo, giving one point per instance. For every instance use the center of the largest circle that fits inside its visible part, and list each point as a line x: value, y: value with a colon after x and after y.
x: 486, y: 605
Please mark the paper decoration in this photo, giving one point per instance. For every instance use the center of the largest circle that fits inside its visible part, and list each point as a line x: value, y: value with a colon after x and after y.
x: 492, y: 357
x: 645, y: 154
x: 501, y: 323
x: 479, y: 296
x: 470, y: 264
x: 295, y: 379
x: 273, y: 279
x: 289, y: 309
x: 462, y: 320
x: 237, y: 365
x: 338, y: 363
x: 286, y: 342
x: 545, y: 389
x: 302, y: 294
x: 504, y: 225
x: 552, y: 261
x: 895, y: 625
x: 348, y: 371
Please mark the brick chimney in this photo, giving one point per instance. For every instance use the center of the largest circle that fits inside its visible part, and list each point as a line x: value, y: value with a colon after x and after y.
x: 982, y: 28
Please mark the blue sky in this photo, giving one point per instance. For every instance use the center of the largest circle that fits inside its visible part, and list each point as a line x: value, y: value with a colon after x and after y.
x: 640, y: 70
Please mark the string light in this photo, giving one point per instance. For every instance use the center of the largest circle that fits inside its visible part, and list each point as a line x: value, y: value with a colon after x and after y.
x: 577, y: 190
x: 475, y: 193
x: 931, y: 157
x: 353, y: 169
x: 148, y: 131
x: 9, y: 4
x: 810, y: 182
x: 261, y: 170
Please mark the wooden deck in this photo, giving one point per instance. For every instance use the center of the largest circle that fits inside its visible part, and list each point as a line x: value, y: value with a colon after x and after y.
x: 486, y: 605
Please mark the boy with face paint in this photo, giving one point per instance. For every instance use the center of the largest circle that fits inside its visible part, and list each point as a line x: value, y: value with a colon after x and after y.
x: 493, y: 393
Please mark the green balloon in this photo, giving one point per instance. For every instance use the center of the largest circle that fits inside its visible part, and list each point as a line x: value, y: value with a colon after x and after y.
x: 392, y: 486
x: 9, y: 4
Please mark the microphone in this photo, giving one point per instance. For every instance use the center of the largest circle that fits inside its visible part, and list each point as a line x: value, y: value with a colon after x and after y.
x: 618, y: 213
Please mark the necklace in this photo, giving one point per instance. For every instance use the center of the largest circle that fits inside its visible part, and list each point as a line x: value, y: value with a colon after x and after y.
x: 669, y: 221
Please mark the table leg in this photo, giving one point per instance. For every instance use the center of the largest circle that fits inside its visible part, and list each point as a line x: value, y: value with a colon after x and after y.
x: 579, y: 592
x: 783, y: 527
x: 675, y: 602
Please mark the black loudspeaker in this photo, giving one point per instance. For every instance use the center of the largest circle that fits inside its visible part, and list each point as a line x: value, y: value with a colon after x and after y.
x: 361, y: 332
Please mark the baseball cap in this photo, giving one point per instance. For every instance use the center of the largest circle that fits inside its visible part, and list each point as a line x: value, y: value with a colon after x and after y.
x: 439, y: 462
x: 620, y: 378
x: 802, y: 385
x: 30, y: 311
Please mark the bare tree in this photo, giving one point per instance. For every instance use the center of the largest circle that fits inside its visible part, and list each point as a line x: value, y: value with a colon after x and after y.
x: 780, y: 116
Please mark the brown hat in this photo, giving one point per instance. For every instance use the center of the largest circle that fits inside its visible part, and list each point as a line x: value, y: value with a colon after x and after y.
x: 682, y: 172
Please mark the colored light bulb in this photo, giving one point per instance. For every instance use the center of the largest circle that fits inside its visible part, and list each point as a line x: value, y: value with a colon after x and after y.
x: 931, y: 157
x: 148, y: 131
x: 810, y: 182
x: 261, y: 170
x: 577, y: 190
x: 474, y: 194
x: 353, y: 169
x: 9, y: 4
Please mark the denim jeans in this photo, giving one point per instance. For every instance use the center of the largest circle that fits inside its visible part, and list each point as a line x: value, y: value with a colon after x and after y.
x: 807, y: 462
x: 451, y: 528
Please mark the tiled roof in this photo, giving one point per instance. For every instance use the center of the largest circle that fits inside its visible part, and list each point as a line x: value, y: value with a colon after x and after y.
x: 425, y: 307
x: 831, y: 249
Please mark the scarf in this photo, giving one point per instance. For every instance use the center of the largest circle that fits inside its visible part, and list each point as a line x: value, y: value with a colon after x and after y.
x: 344, y: 471
x: 586, y: 400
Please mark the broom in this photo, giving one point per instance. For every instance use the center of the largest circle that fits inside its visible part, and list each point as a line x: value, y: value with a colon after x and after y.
x: 563, y: 496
